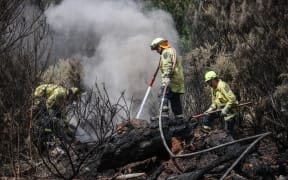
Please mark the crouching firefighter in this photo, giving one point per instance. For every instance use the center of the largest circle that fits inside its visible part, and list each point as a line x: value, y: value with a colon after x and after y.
x: 222, y: 98
x: 172, y: 77
x: 50, y: 103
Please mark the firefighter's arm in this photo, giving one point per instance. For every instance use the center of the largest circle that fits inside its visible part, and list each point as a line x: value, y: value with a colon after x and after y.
x: 167, y: 60
x: 212, y: 106
x: 227, y: 92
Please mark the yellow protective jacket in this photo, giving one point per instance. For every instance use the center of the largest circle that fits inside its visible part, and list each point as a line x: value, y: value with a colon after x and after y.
x: 223, y: 97
x: 54, y: 95
x: 166, y: 68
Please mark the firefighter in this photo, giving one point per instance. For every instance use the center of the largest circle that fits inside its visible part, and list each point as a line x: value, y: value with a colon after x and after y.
x: 54, y: 98
x: 222, y: 98
x: 50, y: 101
x: 172, y: 76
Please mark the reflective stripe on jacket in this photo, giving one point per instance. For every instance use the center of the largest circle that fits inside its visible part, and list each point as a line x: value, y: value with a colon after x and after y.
x: 223, y: 97
x: 166, y: 67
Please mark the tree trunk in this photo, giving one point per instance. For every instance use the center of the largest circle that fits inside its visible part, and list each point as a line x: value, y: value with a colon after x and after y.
x: 139, y: 143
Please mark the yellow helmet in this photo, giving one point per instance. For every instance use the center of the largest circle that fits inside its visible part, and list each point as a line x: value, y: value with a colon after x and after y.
x: 156, y: 42
x: 210, y: 75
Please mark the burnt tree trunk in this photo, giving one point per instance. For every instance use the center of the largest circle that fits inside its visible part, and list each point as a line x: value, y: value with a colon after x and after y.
x: 200, y: 172
x: 139, y: 143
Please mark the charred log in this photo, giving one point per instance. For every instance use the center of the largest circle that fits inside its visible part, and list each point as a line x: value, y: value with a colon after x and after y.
x: 200, y: 172
x: 138, y: 143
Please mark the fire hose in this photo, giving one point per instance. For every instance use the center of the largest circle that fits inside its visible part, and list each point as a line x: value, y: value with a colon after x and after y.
x: 198, y: 152
x: 259, y: 136
x: 152, y: 82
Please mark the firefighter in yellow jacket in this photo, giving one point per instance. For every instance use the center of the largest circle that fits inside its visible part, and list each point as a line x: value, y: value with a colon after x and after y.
x: 222, y: 98
x: 50, y: 101
x: 54, y: 98
x: 172, y: 76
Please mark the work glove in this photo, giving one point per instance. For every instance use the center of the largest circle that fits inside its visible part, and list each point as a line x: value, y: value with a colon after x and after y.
x: 210, y: 109
x: 224, y: 112
x: 74, y: 105
x: 166, y: 81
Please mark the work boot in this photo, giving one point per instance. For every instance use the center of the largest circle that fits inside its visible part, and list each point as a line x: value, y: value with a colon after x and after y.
x: 165, y: 108
x: 206, y: 129
x: 229, y: 127
x: 164, y: 115
x: 179, y: 119
x: 155, y: 120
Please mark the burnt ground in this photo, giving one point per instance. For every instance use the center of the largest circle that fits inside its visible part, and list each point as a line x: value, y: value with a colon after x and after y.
x: 137, y: 152
x: 263, y: 161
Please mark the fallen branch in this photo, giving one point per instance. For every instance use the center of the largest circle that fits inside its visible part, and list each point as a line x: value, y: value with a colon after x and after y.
x: 134, y: 167
x: 143, y: 143
x: 129, y: 176
x: 197, y: 174
x: 243, y: 154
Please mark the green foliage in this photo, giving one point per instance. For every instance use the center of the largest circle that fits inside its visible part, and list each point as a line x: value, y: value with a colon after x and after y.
x: 178, y: 10
x: 245, y: 42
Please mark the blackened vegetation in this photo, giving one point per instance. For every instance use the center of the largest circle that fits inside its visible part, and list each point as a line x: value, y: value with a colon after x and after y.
x: 155, y: 162
x: 244, y: 41
x: 139, y: 141
x: 23, y: 31
x: 92, y: 121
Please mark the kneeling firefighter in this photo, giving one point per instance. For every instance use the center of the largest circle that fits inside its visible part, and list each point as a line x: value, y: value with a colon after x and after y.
x: 222, y: 98
x: 50, y: 101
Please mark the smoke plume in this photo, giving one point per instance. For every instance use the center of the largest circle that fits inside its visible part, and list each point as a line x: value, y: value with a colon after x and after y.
x: 112, y: 39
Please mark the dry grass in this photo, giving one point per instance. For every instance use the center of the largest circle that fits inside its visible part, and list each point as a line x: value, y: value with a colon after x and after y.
x: 67, y: 72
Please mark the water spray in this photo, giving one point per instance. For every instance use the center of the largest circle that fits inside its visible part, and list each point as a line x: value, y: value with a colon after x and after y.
x: 147, y: 92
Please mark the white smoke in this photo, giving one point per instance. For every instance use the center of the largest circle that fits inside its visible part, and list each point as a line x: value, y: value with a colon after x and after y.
x: 112, y: 37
